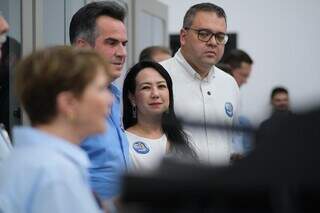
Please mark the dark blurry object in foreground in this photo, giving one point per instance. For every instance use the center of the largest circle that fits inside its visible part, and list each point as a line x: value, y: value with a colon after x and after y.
x: 281, y: 175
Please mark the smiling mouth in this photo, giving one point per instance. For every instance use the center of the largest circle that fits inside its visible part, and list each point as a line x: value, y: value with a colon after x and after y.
x: 155, y: 104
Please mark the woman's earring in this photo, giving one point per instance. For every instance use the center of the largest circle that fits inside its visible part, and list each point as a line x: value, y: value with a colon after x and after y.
x: 134, y: 111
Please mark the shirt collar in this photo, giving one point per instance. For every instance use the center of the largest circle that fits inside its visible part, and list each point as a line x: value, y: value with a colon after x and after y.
x: 25, y: 136
x: 191, y: 71
x: 115, y: 91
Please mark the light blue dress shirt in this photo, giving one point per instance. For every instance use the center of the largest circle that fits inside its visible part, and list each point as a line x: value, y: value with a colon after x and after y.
x: 45, y: 173
x: 243, y: 141
x: 108, y: 153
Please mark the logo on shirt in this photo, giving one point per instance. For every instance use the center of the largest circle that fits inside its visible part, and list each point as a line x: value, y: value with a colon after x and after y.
x: 140, y: 147
x: 229, y: 109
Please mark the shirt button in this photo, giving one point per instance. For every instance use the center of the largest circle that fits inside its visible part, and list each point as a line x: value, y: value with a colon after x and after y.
x: 209, y: 93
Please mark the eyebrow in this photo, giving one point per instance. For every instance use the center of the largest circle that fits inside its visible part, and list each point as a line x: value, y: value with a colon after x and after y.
x: 115, y: 40
x: 148, y: 83
x: 206, y: 29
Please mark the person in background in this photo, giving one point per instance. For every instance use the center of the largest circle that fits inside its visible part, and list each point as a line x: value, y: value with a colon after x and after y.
x: 47, y: 171
x: 280, y: 100
x: 155, y: 53
x: 238, y: 64
x: 4, y: 74
x: 202, y: 92
x: 149, y: 118
x: 280, y: 103
x: 100, y: 26
x: 4, y: 28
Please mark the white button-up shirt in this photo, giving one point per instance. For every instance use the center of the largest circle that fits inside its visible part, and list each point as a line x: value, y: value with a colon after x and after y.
x: 214, y: 99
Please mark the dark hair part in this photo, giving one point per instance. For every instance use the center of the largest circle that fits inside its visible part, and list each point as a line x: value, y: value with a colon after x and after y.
x: 278, y: 90
x: 44, y: 74
x: 170, y: 124
x: 83, y: 22
x: 236, y: 57
x: 148, y: 52
x: 204, y: 7
x: 225, y: 67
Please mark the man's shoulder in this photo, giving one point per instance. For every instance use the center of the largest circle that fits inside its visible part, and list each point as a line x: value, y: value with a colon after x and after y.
x: 226, y: 78
x: 222, y: 74
x: 167, y: 64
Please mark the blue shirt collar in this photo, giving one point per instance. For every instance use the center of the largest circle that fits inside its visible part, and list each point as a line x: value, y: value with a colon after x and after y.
x: 25, y: 136
x: 115, y: 91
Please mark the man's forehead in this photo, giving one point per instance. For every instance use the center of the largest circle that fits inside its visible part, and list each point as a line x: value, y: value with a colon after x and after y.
x: 209, y: 20
x: 281, y: 95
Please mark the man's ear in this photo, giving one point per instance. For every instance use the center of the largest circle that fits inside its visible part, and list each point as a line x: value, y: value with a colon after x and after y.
x: 132, y: 99
x: 183, y: 34
x: 81, y: 43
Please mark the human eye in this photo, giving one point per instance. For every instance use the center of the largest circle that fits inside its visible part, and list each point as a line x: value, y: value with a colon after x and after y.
x: 162, y: 86
x: 145, y: 87
x: 204, y: 33
x: 124, y: 43
x: 111, y: 41
x: 220, y: 37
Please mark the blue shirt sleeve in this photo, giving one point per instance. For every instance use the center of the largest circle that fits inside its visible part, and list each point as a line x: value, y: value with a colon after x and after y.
x: 108, y: 153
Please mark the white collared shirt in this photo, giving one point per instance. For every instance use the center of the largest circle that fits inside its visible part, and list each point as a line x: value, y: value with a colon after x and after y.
x: 214, y: 99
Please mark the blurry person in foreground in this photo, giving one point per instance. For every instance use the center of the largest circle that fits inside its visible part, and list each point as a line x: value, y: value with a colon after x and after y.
x: 47, y: 172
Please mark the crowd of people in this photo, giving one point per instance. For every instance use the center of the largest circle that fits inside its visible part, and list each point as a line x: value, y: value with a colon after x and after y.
x: 85, y: 132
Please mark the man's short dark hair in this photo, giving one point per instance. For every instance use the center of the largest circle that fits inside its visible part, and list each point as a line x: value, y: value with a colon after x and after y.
x: 225, y: 67
x: 236, y: 57
x: 205, y: 7
x: 147, y: 53
x: 278, y: 90
x: 83, y: 22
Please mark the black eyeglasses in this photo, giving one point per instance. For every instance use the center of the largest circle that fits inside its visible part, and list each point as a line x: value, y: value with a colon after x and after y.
x: 206, y: 35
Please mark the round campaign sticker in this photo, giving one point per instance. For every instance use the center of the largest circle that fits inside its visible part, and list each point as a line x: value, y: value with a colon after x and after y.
x: 229, y: 109
x: 140, y: 147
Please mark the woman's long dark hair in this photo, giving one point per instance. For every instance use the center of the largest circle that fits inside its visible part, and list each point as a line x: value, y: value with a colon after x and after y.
x: 179, y: 142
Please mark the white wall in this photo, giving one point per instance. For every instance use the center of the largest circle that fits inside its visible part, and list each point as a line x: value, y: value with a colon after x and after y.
x: 282, y: 36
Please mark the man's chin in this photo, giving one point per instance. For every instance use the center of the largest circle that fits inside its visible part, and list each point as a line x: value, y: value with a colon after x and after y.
x: 115, y: 72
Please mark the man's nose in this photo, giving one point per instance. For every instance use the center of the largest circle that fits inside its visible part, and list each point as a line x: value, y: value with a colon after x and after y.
x: 121, y: 50
x: 212, y: 40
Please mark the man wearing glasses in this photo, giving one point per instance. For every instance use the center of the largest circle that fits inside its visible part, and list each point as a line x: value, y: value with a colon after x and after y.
x: 202, y: 92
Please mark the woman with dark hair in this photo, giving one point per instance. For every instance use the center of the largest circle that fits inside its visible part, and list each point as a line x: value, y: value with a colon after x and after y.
x: 149, y: 118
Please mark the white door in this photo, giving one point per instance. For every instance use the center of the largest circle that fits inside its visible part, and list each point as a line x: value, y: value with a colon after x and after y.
x: 150, y: 25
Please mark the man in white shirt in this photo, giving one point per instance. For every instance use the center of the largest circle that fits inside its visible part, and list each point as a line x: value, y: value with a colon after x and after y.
x: 202, y: 92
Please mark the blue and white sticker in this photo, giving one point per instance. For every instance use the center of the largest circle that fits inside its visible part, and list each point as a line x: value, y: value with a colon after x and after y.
x: 140, y: 147
x: 229, y: 109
